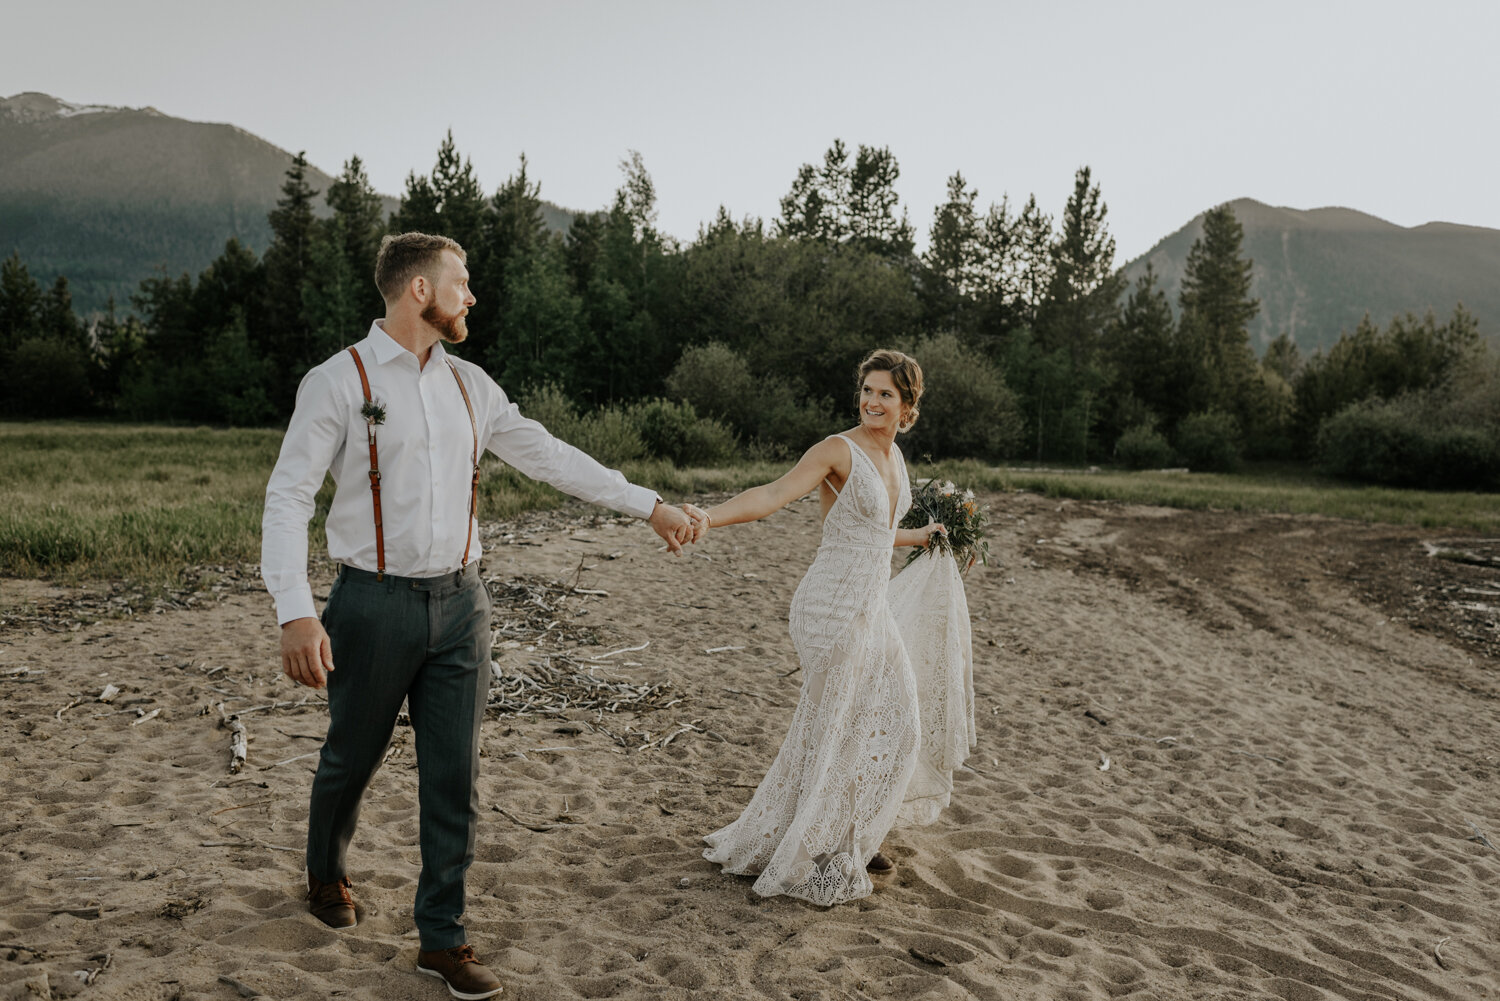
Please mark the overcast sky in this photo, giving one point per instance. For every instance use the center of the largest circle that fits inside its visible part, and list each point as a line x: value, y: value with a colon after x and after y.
x: 1390, y: 108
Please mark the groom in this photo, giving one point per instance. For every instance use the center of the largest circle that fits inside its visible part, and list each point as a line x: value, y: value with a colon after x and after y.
x: 400, y: 424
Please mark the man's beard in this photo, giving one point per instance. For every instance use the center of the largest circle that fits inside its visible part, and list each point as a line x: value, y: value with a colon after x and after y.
x: 450, y: 326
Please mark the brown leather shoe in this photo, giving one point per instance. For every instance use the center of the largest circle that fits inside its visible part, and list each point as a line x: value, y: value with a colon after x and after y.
x: 331, y: 903
x: 880, y: 865
x: 466, y: 978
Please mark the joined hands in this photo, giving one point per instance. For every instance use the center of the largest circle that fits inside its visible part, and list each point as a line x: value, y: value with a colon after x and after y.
x: 679, y: 527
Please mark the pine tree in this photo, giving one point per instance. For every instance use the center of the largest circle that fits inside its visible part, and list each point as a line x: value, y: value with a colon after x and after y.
x: 637, y: 196
x: 873, y: 202
x: 1033, y: 255
x: 335, y: 300
x: 357, y: 218
x: 514, y: 233
x: 418, y: 210
x: 951, y: 265
x: 802, y: 207
x: 817, y: 207
x: 283, y: 335
x: 20, y: 303
x: 460, y: 200
x: 544, y: 337
x: 1084, y: 289
x: 117, y: 345
x: 56, y: 319
x: 1216, y: 311
x: 165, y: 306
x: 516, y: 221
x: 44, y: 356
x: 1140, y: 353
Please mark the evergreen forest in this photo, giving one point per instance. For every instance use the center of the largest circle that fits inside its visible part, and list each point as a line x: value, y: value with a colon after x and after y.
x: 744, y: 341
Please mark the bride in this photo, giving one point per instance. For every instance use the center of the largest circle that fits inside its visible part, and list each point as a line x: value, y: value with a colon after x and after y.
x: 814, y: 826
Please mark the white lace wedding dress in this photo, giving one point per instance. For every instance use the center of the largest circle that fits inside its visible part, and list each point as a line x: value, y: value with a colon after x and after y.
x: 857, y: 736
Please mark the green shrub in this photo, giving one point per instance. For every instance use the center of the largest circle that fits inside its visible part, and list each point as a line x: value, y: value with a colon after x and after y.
x: 713, y: 379
x: 1143, y: 447
x: 1209, y: 441
x: 1407, y: 442
x: 608, y: 434
x: 967, y: 410
x: 549, y: 405
x: 675, y: 432
x: 46, y: 377
x: 1460, y: 458
x: 766, y: 411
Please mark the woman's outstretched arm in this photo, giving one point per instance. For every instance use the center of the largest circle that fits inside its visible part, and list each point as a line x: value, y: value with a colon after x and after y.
x: 824, y: 458
x: 918, y: 536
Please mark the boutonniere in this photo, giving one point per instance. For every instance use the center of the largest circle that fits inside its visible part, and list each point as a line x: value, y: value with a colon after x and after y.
x: 373, y: 412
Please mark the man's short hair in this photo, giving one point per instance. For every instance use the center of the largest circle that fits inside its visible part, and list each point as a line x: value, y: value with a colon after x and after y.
x: 404, y: 256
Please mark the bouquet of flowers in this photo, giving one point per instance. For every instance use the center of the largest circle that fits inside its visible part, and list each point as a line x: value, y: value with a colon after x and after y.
x: 959, y: 513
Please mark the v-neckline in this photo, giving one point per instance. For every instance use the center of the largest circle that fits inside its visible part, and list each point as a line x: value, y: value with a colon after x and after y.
x: 895, y: 501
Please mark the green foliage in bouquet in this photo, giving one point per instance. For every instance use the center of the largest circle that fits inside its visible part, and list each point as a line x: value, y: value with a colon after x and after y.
x: 959, y: 513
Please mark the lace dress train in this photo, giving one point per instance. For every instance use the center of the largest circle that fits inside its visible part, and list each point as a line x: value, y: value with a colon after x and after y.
x: 932, y: 613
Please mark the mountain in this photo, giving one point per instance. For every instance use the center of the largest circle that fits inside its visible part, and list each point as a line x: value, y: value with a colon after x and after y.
x: 107, y: 195
x: 1318, y: 271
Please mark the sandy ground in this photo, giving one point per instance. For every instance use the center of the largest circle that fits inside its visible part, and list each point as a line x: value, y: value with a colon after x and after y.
x: 1299, y: 718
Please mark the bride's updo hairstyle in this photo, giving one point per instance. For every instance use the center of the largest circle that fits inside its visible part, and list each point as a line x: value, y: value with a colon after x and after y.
x: 905, y: 373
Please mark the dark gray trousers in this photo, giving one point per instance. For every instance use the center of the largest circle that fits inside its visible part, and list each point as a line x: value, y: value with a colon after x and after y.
x: 425, y: 641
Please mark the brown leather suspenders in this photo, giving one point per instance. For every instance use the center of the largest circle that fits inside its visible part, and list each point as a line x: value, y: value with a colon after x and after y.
x: 364, y: 385
x: 474, y: 483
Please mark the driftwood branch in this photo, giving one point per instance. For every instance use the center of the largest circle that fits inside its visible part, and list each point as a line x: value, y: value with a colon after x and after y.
x: 238, y: 740
x: 248, y: 844
x: 287, y: 761
x: 539, y: 828
x: 147, y: 716
x: 628, y: 649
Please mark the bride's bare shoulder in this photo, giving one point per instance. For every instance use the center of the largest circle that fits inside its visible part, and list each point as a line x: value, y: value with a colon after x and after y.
x: 831, y: 453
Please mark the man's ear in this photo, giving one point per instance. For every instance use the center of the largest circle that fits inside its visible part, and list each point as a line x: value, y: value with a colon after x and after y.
x: 418, y: 287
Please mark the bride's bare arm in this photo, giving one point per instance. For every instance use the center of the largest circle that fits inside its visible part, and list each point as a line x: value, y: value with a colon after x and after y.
x: 757, y: 502
x: 917, y: 536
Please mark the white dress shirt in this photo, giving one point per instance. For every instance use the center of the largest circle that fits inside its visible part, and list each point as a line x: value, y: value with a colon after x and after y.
x: 425, y: 449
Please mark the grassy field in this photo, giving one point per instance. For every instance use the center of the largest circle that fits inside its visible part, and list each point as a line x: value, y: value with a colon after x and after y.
x: 102, y: 500
x: 1273, y: 489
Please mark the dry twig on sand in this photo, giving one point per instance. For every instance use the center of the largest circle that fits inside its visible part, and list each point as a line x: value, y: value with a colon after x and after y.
x: 248, y: 844
x: 539, y: 828
x: 1437, y: 952
x: 90, y: 975
x: 287, y: 761
x: 553, y: 685
x: 239, y: 740
x: 1479, y: 836
x: 642, y: 740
